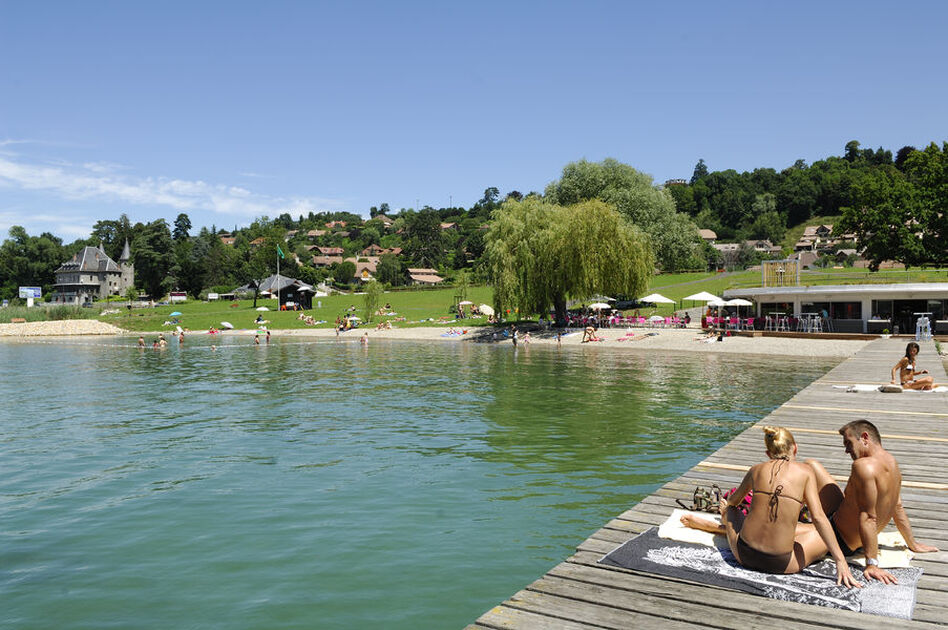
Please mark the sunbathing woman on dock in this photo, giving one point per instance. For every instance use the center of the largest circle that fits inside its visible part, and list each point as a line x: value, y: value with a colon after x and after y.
x: 907, y: 372
x: 770, y: 538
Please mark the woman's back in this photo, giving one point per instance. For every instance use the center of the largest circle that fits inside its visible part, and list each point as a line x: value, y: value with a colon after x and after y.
x: 778, y: 487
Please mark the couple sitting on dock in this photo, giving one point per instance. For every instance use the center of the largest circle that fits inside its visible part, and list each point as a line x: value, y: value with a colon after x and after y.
x: 770, y: 537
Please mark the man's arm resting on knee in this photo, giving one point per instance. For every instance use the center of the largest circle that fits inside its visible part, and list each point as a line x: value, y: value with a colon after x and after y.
x: 905, y: 528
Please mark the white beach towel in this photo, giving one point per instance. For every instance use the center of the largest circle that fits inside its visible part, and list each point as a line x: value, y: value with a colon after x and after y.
x: 893, y: 552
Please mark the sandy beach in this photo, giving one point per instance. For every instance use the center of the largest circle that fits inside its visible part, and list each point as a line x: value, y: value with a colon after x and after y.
x: 59, y: 328
x: 617, y: 339
x: 680, y: 340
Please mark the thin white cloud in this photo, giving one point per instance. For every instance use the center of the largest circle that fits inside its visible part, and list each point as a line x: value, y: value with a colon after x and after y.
x: 100, y: 181
x: 67, y: 227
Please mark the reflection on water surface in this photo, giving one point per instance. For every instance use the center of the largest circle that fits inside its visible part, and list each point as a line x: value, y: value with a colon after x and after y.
x: 328, y: 485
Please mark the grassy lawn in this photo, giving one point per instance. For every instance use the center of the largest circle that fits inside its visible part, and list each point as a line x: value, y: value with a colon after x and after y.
x: 417, y: 307
x: 430, y: 307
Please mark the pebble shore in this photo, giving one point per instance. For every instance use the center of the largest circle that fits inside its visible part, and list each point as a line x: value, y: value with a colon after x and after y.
x: 59, y: 328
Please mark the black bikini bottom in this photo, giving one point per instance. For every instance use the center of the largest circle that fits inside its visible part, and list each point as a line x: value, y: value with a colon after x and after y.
x: 766, y: 562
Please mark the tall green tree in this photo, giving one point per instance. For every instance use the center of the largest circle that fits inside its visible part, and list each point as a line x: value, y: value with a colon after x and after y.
x: 370, y: 299
x: 424, y: 242
x: 672, y: 234
x: 540, y: 254
x: 112, y: 234
x: 29, y: 261
x: 189, y: 268
x: 181, y: 226
x: 389, y: 270
x: 153, y: 255
x: 884, y: 219
x: 927, y: 171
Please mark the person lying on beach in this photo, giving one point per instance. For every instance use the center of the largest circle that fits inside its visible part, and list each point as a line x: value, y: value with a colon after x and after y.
x: 907, y: 372
x: 872, y: 498
x: 767, y: 538
x: 590, y: 335
x: 708, y: 337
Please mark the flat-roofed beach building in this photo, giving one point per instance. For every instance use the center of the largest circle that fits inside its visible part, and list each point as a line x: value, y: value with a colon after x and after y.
x: 858, y: 308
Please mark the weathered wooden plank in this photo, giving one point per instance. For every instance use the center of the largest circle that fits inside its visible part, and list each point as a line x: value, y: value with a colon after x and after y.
x: 579, y: 593
x: 505, y: 617
x: 573, y: 610
x: 723, y: 610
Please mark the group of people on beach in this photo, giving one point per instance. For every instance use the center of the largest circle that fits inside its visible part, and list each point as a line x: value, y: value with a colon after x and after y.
x: 770, y: 537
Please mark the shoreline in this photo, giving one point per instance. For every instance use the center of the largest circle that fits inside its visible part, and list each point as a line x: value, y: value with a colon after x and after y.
x: 614, y: 339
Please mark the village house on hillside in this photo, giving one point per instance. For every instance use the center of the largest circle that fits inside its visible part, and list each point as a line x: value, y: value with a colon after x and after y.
x: 424, y: 275
x: 92, y: 275
x: 820, y: 238
x: 708, y: 235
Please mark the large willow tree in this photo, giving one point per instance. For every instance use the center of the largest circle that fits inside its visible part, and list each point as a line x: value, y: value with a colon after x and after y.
x: 540, y: 254
x: 674, y: 236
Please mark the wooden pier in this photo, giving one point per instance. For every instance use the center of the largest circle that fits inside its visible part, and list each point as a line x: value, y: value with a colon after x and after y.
x: 581, y: 594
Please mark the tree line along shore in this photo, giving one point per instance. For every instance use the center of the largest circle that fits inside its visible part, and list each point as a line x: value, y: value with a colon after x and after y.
x: 599, y: 228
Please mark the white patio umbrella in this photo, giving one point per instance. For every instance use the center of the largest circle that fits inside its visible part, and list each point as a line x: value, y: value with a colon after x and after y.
x: 704, y: 296
x: 486, y: 309
x: 262, y: 308
x: 739, y: 302
x: 598, y: 306
x: 656, y: 298
x: 465, y: 302
x: 227, y: 325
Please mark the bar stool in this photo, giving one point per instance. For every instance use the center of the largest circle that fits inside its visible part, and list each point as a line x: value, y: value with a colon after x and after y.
x: 817, y: 324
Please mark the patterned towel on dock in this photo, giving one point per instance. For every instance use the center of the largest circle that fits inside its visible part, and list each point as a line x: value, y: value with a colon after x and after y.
x: 717, y: 567
x: 893, y: 552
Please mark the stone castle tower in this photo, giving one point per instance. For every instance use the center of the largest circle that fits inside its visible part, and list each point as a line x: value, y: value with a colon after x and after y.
x: 128, y: 269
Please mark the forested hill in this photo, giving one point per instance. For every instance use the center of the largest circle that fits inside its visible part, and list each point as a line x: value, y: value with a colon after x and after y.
x: 895, y: 204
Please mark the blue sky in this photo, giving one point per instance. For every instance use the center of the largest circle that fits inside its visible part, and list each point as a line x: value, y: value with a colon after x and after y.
x: 228, y: 111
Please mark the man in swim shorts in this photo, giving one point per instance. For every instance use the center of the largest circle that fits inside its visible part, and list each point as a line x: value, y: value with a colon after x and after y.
x: 872, y: 498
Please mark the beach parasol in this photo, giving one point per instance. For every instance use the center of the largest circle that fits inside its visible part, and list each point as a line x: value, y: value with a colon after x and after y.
x: 175, y: 314
x: 739, y: 302
x: 465, y: 302
x: 227, y: 325
x: 704, y: 296
x: 486, y: 309
x: 598, y: 306
x: 656, y: 298
x: 262, y: 308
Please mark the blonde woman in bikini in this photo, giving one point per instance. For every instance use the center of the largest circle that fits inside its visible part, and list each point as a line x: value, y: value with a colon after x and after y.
x: 771, y: 538
x: 907, y: 372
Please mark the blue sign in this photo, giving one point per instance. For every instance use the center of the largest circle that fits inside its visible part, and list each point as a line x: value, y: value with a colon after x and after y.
x: 31, y: 292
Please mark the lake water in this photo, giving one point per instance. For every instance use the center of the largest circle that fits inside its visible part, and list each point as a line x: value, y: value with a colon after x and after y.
x: 326, y: 485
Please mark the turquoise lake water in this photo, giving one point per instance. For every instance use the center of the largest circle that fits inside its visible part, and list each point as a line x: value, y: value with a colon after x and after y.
x: 326, y: 485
